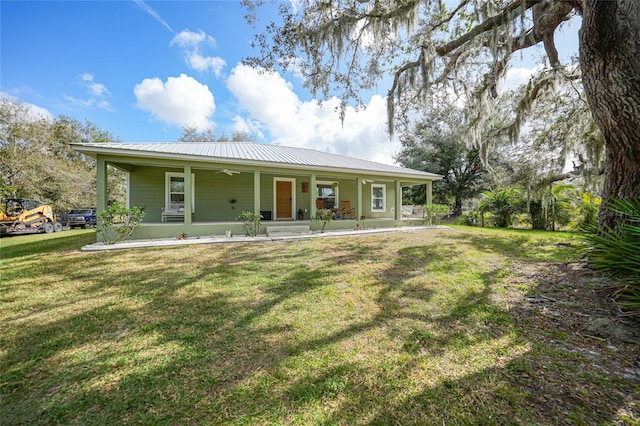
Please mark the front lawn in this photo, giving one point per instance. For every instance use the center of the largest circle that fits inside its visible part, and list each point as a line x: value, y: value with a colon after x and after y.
x: 455, y: 326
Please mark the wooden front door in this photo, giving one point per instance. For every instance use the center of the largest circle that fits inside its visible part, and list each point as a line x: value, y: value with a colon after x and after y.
x: 284, y: 199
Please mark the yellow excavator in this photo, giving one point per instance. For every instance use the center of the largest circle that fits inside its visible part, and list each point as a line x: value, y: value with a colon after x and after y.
x: 23, y: 216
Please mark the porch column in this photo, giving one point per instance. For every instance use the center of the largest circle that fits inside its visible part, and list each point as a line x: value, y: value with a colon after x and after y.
x: 256, y: 192
x: 397, y: 215
x: 187, y: 195
x: 312, y: 196
x: 429, y: 195
x: 359, y: 211
x: 101, y: 179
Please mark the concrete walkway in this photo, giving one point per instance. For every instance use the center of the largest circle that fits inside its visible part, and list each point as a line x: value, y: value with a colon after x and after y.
x: 170, y: 242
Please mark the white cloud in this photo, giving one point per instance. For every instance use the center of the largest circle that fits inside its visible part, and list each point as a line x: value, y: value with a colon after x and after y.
x: 97, y: 94
x: 191, y: 44
x: 35, y: 112
x: 206, y: 63
x: 96, y: 89
x: 273, y: 106
x: 246, y: 125
x: 39, y: 112
x: 181, y: 101
x: 89, y: 103
x: 515, y: 77
x: 189, y: 39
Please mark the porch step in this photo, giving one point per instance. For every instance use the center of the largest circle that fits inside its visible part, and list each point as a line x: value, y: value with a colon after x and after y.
x: 287, y: 231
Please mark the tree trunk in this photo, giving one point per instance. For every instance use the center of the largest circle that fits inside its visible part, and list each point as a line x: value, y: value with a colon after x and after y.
x: 537, y: 215
x: 457, y: 208
x: 610, y: 61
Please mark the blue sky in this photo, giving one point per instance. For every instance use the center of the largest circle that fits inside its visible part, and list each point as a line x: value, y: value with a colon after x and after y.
x: 142, y: 70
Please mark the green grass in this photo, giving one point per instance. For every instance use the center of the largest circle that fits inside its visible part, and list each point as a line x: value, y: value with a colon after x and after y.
x: 421, y: 327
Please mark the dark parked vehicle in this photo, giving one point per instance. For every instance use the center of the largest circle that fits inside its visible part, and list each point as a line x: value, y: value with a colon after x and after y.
x: 81, y: 218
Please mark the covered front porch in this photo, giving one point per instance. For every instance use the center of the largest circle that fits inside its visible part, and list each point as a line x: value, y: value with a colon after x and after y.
x: 198, y: 199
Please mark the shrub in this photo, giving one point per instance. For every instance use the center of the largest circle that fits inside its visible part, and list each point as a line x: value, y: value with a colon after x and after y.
x: 618, y: 250
x: 120, y: 219
x: 561, y: 206
x: 588, y: 211
x: 472, y: 218
x: 250, y: 223
x: 433, y: 213
x: 324, y: 216
x: 502, y: 204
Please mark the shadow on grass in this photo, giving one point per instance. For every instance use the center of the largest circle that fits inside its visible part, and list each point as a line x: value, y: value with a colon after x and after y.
x: 523, y: 244
x: 13, y: 247
x: 223, y: 336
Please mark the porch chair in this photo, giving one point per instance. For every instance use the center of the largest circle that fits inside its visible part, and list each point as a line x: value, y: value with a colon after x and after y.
x: 320, y: 204
x: 347, y: 211
x: 166, y: 215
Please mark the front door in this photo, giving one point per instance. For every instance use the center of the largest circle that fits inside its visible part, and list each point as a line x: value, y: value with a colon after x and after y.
x: 284, y: 202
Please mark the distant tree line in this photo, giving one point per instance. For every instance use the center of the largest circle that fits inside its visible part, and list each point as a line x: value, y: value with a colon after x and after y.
x: 36, y: 159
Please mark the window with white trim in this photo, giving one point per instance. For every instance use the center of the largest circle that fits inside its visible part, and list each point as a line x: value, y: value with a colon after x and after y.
x: 327, y: 192
x: 378, y: 197
x: 174, y: 192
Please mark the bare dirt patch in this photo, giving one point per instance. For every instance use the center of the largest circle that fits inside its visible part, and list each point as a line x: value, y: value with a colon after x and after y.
x: 587, y: 336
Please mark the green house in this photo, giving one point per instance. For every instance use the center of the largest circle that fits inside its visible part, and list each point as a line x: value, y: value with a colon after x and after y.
x: 200, y: 189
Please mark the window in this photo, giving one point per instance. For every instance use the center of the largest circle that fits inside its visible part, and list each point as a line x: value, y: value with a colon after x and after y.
x: 378, y: 198
x: 175, y: 192
x: 327, y: 192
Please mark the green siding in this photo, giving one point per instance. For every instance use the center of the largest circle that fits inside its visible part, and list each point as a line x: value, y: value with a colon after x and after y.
x: 213, y: 193
x: 214, y: 190
x: 146, y: 189
x: 348, y: 191
x: 303, y: 199
x: 266, y: 193
x: 390, y: 200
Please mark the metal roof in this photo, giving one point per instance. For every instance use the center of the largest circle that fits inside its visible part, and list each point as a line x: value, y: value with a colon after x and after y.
x: 251, y: 153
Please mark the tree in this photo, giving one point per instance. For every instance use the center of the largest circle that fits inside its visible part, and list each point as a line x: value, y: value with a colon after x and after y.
x: 503, y: 204
x: 561, y: 139
x: 436, y: 145
x: 36, y: 160
x: 236, y: 136
x: 556, y: 207
x: 350, y: 45
x: 195, y: 134
x: 610, y: 62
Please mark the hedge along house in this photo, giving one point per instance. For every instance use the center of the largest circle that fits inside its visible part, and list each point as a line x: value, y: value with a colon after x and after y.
x: 200, y: 189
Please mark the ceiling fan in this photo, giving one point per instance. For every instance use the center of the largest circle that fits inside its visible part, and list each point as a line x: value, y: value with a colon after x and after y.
x: 229, y: 172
